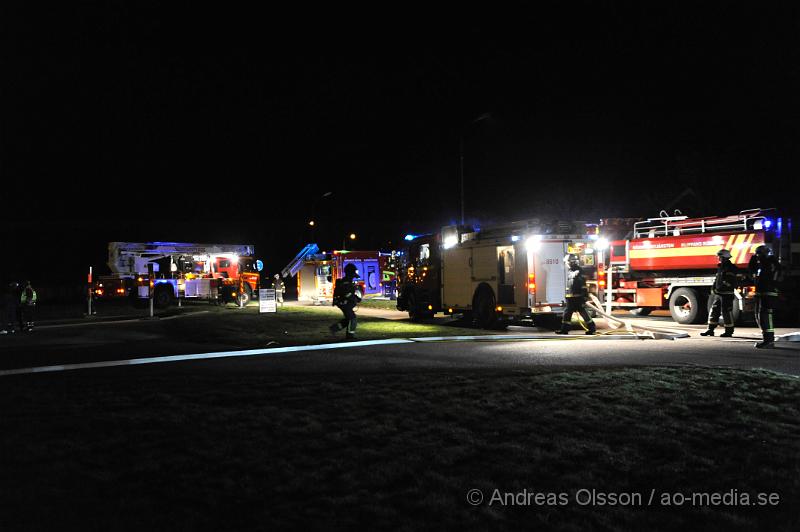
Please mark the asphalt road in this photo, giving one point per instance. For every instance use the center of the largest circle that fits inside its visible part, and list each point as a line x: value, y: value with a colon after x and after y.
x: 71, y: 344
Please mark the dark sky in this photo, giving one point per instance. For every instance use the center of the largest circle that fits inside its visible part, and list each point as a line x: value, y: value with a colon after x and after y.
x: 132, y: 121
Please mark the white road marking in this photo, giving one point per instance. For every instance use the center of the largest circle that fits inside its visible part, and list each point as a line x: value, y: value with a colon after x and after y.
x: 296, y: 349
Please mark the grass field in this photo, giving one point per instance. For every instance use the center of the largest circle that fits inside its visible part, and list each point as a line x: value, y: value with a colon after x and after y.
x: 379, y: 303
x: 395, y: 451
x: 299, y: 326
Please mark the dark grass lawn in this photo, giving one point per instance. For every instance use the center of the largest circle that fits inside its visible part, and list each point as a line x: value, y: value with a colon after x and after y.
x: 385, y: 304
x: 134, y: 452
x: 298, y: 326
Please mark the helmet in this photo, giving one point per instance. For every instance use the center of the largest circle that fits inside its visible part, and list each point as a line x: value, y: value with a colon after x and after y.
x: 572, y: 258
x: 724, y: 254
x: 350, y: 269
x: 762, y: 250
x: 277, y: 276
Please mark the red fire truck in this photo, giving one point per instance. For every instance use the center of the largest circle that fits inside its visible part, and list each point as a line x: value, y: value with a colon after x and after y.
x: 317, y: 272
x: 669, y: 262
x: 172, y: 270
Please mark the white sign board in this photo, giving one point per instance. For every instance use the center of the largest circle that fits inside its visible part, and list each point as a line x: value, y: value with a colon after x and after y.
x: 266, y: 300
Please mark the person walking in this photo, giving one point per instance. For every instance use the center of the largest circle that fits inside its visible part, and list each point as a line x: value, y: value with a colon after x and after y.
x: 765, y: 270
x: 346, y: 295
x: 577, y: 294
x: 280, y: 288
x: 721, y: 302
x: 27, y: 305
x: 10, y: 308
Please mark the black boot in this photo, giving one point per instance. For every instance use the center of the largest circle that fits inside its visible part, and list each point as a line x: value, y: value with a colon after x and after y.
x: 728, y: 333
x: 563, y: 330
x: 592, y: 329
x: 768, y: 342
x: 709, y: 332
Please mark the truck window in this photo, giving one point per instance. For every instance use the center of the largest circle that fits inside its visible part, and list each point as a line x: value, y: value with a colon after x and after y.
x: 424, y: 254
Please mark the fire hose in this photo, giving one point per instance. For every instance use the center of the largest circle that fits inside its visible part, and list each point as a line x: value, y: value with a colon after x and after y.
x: 639, y: 330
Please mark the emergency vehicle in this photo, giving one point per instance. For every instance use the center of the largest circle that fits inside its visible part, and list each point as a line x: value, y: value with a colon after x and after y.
x: 496, y: 275
x: 172, y: 270
x: 669, y: 262
x: 317, y: 272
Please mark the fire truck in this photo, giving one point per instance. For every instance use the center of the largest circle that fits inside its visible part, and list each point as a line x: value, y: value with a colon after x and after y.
x: 317, y: 272
x: 511, y: 273
x: 169, y: 271
x: 669, y: 262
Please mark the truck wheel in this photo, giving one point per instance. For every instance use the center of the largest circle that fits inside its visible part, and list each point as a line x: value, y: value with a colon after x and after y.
x: 484, y: 305
x: 163, y: 296
x: 414, y: 311
x: 411, y: 304
x: 685, y: 306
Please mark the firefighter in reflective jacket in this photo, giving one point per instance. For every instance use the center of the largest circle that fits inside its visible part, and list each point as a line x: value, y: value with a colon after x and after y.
x: 764, y: 270
x: 722, y: 295
x: 27, y: 305
x: 346, y: 295
x: 577, y: 293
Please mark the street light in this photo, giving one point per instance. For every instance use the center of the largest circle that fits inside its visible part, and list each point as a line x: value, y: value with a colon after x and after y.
x: 312, y: 222
x: 481, y: 118
x: 351, y: 236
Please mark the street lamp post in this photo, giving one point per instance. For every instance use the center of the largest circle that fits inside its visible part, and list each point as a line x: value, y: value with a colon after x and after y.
x: 351, y: 236
x: 312, y: 223
x: 481, y: 118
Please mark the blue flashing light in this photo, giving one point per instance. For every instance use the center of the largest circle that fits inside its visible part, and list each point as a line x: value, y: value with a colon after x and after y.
x: 515, y: 238
x: 767, y: 223
x: 410, y: 237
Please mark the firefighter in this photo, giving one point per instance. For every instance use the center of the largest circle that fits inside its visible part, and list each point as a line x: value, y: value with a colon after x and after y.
x: 346, y: 295
x: 280, y: 288
x: 10, y: 308
x: 577, y: 293
x: 27, y: 304
x: 764, y: 270
x: 722, y: 295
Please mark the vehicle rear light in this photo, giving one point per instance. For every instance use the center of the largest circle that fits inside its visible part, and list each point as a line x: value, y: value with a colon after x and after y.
x: 499, y: 309
x: 602, y: 283
x: 531, y: 282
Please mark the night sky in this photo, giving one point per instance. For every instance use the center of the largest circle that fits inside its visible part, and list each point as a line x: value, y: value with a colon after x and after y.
x: 132, y: 121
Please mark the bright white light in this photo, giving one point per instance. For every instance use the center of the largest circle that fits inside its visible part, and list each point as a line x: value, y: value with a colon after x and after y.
x: 601, y: 244
x: 515, y: 238
x: 533, y: 243
x: 450, y: 241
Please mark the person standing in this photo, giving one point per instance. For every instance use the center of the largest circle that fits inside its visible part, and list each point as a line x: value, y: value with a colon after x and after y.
x: 280, y: 288
x: 346, y: 295
x: 577, y: 294
x: 764, y: 270
x: 10, y: 308
x: 27, y: 305
x: 722, y: 295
